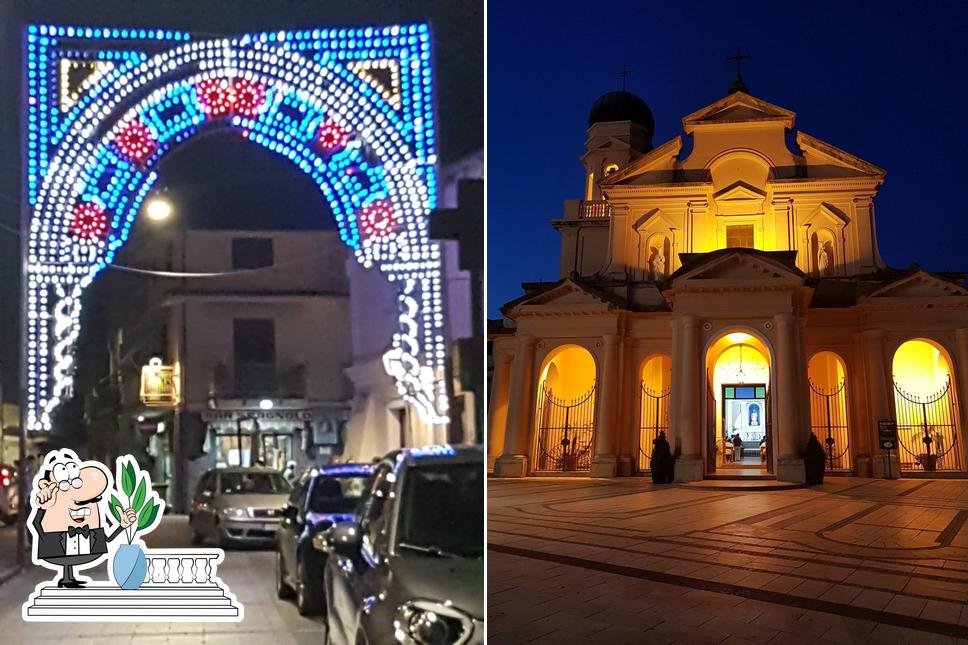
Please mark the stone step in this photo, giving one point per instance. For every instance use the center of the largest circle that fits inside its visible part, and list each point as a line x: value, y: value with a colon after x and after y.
x: 145, y: 591
x: 175, y: 612
x: 101, y: 601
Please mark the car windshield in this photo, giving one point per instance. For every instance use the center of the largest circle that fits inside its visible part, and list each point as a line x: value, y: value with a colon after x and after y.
x: 253, y: 483
x: 442, y: 510
x: 336, y: 494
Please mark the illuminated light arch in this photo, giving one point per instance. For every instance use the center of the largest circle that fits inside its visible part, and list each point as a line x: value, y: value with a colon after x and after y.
x: 307, y: 95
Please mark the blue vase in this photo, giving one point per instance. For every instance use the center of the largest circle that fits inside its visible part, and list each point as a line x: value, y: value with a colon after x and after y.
x: 130, y: 566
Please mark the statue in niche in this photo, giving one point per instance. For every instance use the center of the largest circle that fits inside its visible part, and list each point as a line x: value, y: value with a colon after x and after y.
x: 823, y: 260
x: 658, y: 264
x: 754, y: 411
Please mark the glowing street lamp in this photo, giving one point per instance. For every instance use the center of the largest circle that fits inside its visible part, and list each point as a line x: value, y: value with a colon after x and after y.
x: 158, y: 209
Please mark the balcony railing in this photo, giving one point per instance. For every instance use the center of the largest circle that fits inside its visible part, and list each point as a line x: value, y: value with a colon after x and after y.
x: 599, y: 209
x: 254, y: 380
x: 180, y: 584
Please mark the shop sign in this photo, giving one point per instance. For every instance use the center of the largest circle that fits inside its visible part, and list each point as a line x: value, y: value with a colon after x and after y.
x: 300, y: 416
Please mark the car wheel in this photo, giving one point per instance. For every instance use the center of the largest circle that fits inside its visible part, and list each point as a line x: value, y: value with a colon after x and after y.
x: 283, y: 590
x: 307, y: 592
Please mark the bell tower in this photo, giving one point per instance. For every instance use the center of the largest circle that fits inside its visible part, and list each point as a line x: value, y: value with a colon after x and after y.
x: 620, y: 128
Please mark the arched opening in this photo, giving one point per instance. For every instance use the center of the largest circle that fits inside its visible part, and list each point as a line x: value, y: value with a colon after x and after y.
x: 565, y: 413
x: 738, y: 414
x: 655, y: 387
x: 829, y: 416
x: 370, y: 153
x: 924, y: 407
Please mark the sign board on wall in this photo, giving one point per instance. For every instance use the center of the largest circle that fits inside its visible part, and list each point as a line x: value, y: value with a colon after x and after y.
x: 262, y: 415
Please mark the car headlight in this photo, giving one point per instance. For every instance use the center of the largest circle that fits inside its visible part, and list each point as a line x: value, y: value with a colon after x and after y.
x: 422, y: 622
x: 235, y: 512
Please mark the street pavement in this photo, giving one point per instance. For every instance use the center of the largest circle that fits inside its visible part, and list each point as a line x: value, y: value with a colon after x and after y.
x: 249, y: 573
x: 624, y: 561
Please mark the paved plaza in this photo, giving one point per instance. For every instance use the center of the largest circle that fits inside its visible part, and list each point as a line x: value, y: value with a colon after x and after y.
x: 624, y: 561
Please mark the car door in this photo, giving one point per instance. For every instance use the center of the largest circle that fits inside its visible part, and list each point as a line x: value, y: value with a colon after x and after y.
x: 290, y: 526
x: 203, y: 505
x: 375, y: 527
x: 344, y: 572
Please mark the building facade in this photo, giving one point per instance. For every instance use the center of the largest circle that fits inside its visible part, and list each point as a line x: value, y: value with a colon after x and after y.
x: 238, y: 361
x: 733, y: 298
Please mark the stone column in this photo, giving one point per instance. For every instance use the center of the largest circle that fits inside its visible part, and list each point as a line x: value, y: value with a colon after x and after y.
x: 789, y: 466
x: 689, y: 464
x: 628, y: 433
x: 497, y: 408
x: 514, y: 461
x: 605, y: 460
x: 960, y: 370
x: 879, y: 388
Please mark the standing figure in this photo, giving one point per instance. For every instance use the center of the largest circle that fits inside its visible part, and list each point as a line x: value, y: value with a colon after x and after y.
x: 823, y: 260
x: 658, y: 264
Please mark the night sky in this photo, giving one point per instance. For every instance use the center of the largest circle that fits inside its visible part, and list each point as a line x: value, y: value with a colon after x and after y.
x: 885, y: 81
x: 219, y: 181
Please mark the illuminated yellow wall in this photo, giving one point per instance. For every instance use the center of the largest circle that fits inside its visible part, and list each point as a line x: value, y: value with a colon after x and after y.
x: 569, y: 371
x: 657, y: 373
x: 920, y: 368
x: 826, y: 370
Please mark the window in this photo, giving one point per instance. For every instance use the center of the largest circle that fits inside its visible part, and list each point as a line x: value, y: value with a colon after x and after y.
x: 740, y: 236
x: 251, y: 252
x: 254, y: 340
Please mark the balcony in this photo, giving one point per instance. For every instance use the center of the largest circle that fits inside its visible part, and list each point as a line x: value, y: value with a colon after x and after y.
x: 599, y: 209
x: 258, y: 380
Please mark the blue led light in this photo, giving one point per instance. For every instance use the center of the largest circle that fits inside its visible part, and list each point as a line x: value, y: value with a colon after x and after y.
x: 295, y: 87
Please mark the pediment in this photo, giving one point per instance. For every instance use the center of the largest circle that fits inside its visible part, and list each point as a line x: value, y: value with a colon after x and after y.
x: 567, y: 295
x: 660, y: 158
x: 739, y: 198
x: 821, y: 153
x: 738, y: 267
x: 827, y: 215
x: 738, y: 107
x: 919, y: 284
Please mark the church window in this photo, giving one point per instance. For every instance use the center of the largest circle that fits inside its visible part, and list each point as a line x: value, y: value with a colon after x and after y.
x: 740, y: 236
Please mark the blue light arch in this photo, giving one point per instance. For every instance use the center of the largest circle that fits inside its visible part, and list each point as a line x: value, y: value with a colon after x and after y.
x: 307, y: 95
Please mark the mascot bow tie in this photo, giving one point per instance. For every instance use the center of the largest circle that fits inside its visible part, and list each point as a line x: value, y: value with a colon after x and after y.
x: 73, y: 530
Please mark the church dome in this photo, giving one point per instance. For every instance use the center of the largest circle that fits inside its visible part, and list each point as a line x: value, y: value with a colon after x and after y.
x: 622, y: 106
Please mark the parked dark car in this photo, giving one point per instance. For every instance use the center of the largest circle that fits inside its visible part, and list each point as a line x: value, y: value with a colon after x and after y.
x: 320, y: 498
x: 238, y: 505
x: 412, y: 569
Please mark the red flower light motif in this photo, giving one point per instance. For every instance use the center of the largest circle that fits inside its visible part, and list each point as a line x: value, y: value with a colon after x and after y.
x: 89, y: 221
x: 377, y: 219
x: 220, y: 97
x: 249, y: 96
x: 332, y: 135
x: 136, y: 141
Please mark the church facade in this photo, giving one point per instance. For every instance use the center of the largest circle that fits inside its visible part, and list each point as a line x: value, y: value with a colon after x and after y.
x: 731, y: 297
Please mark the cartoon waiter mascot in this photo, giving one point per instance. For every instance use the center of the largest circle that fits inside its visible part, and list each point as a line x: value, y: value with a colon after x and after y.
x: 67, y: 526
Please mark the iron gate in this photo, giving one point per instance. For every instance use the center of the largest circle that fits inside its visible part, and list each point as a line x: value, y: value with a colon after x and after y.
x: 927, y: 429
x: 828, y: 420
x: 566, y: 430
x: 653, y: 419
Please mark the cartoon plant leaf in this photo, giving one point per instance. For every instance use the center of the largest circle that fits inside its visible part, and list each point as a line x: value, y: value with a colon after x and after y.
x: 114, y: 506
x: 127, y: 479
x: 139, y: 496
x: 147, y: 516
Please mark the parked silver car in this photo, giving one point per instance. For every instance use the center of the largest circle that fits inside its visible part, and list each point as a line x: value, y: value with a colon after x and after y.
x: 238, y: 506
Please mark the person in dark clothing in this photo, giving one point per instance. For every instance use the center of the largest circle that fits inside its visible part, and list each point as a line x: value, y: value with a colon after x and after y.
x: 661, y: 459
x: 813, y: 461
x: 737, y: 447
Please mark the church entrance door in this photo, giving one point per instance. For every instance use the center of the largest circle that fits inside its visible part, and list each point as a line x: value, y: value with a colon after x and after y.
x: 738, y: 440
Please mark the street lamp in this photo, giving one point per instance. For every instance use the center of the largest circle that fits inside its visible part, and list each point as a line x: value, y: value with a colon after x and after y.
x: 158, y: 209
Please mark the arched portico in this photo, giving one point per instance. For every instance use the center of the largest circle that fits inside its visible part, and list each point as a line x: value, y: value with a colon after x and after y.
x: 564, y: 421
x: 738, y: 411
x: 925, y: 406
x: 306, y: 95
